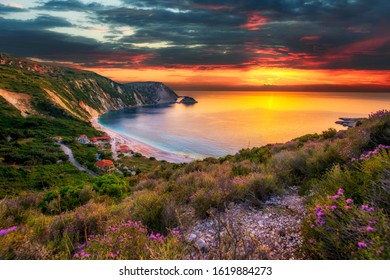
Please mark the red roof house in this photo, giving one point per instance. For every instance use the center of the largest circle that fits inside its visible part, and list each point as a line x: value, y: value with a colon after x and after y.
x: 104, y: 138
x: 123, y: 149
x: 105, y: 164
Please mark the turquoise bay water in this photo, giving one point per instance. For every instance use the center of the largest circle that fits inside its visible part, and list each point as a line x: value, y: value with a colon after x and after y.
x: 222, y: 123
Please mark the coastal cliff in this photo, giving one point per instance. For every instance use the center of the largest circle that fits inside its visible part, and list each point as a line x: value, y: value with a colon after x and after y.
x: 82, y: 94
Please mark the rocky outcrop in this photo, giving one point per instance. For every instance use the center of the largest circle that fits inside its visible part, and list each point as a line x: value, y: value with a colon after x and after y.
x: 349, y: 122
x: 20, y: 101
x: 188, y: 100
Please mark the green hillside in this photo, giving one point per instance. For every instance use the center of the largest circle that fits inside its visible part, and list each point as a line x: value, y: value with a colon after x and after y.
x: 82, y: 94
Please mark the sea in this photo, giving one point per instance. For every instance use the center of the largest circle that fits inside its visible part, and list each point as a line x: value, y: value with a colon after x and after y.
x: 223, y: 122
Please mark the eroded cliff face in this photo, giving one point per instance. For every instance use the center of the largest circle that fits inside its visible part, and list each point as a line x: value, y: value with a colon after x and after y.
x: 82, y: 94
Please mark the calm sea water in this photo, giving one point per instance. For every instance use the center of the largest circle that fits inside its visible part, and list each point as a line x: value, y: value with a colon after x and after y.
x: 224, y: 122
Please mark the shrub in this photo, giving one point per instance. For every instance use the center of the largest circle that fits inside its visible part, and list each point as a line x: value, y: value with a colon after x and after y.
x: 148, y: 208
x: 68, y: 229
x: 262, y: 186
x: 112, y: 185
x: 256, y: 154
x: 195, y: 166
x: 360, y: 179
x: 242, y: 168
x: 131, y: 240
x: 17, y: 244
x: 329, y: 134
x: 66, y: 198
x: 337, y: 228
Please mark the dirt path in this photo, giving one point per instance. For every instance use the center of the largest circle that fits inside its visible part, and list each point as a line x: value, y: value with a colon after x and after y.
x: 69, y: 152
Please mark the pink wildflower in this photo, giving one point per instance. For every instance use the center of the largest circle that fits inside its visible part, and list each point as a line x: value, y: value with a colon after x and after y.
x: 348, y: 201
x: 368, y: 228
x: 340, y: 191
x: 362, y: 245
x: 7, y: 230
x: 320, y: 214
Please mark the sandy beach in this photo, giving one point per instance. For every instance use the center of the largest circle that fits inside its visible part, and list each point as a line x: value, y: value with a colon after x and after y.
x: 118, y: 139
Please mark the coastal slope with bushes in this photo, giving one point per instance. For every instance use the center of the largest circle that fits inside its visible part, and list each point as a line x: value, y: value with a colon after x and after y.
x: 36, y: 88
x: 327, y: 195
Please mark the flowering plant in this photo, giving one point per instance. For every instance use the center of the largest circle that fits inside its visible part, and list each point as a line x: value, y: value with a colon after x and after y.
x: 336, y: 228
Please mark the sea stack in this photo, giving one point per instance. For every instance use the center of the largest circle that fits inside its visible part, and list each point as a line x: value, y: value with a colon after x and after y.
x: 188, y: 100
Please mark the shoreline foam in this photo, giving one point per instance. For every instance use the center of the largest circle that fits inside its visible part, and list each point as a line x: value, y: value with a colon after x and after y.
x: 137, y: 146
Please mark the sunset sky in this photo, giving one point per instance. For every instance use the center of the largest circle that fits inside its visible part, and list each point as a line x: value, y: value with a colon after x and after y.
x: 208, y: 44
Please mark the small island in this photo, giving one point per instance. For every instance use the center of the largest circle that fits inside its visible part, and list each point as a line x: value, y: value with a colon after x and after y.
x: 187, y: 100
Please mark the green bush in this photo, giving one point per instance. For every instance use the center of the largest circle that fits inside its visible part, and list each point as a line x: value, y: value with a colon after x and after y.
x: 262, y: 186
x: 112, y: 185
x: 148, y: 208
x: 66, y: 198
x: 330, y: 133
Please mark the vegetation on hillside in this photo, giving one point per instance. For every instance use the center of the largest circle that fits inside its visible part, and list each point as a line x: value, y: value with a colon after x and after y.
x: 65, y: 92
x: 53, y: 211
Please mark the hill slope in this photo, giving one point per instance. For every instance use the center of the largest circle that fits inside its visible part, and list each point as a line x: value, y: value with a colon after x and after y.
x: 32, y: 87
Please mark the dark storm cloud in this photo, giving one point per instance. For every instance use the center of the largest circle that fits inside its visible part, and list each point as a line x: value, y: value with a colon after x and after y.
x: 222, y: 33
x: 42, y: 21
x: 195, y: 18
x: 68, y: 5
x: 29, y: 38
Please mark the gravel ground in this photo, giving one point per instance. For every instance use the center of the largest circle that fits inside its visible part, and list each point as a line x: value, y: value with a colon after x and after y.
x: 274, y: 228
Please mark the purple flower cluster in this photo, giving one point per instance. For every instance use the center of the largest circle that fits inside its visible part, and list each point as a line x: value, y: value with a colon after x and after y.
x: 175, y: 231
x: 379, y: 113
x: 7, y: 230
x: 339, y: 213
x: 81, y: 255
x: 114, y: 255
x: 362, y: 244
x: 367, y: 208
x: 157, y: 237
x: 371, y: 153
x: 320, y: 221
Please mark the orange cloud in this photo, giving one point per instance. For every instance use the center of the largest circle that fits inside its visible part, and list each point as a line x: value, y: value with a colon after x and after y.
x: 255, y: 20
x: 251, y: 77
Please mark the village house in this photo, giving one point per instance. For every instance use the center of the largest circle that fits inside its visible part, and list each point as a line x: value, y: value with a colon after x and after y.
x: 124, y: 149
x: 83, y: 139
x: 105, y: 165
x: 58, y: 139
x: 104, y: 138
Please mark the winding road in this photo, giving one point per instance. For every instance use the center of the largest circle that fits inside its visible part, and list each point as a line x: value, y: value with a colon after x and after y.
x: 69, y: 152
